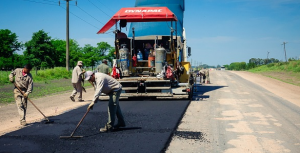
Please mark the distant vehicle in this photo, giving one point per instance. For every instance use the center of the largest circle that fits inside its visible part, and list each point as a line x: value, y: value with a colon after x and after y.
x: 222, y: 68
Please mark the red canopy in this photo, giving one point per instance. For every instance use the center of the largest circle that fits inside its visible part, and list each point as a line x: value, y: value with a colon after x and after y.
x: 140, y: 14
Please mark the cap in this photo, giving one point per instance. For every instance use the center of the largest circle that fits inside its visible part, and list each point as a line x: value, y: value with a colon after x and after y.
x: 104, y: 60
x: 79, y: 63
x: 88, y: 74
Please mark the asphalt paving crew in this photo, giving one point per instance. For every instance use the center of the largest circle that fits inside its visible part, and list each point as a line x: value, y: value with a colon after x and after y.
x: 110, y: 86
x: 77, y: 78
x: 202, y: 72
x: 23, y: 79
x: 103, y: 67
x: 207, y: 76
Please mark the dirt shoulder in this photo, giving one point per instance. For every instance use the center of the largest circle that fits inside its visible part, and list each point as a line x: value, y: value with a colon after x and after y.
x: 286, y: 91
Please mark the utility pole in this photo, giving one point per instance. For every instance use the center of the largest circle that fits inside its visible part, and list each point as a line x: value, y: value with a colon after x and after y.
x: 284, y: 50
x: 268, y: 57
x: 67, y: 34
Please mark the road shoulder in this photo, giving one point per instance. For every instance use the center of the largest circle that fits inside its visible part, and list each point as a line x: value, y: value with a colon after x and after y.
x: 284, y: 90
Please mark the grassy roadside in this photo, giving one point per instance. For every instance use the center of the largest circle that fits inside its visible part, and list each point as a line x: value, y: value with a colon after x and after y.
x: 46, y: 82
x: 285, y: 72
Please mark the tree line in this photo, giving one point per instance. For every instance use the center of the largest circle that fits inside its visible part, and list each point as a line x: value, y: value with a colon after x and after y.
x: 44, y: 52
x: 253, y: 62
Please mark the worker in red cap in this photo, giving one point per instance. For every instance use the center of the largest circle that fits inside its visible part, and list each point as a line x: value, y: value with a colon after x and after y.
x: 23, y: 79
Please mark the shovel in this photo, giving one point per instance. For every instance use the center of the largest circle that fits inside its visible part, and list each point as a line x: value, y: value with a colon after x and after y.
x: 46, y: 118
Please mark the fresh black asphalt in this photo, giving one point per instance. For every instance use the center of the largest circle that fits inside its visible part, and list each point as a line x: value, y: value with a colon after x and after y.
x: 149, y: 127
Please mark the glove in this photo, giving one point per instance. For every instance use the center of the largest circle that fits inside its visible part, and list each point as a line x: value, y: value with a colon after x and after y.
x: 83, y: 71
x: 91, y: 106
x: 12, y: 81
x: 26, y: 95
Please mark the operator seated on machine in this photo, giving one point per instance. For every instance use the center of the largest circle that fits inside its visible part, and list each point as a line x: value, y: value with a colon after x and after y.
x: 121, y: 35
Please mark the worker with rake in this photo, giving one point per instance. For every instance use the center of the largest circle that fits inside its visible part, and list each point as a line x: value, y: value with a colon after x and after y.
x: 110, y: 86
x: 23, y: 79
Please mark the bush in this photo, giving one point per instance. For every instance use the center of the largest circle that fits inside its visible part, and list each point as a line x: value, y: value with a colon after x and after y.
x: 271, y: 65
x: 52, y: 74
x: 296, y: 69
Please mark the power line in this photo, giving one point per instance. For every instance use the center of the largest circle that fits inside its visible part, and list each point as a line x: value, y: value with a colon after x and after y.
x: 89, y: 14
x: 51, y: 1
x: 99, y: 8
x: 106, y: 7
x: 40, y: 2
x: 84, y: 20
x: 81, y: 18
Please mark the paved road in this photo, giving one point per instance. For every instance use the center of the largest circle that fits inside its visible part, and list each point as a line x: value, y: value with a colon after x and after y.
x: 149, y: 127
x: 238, y: 116
x: 235, y: 115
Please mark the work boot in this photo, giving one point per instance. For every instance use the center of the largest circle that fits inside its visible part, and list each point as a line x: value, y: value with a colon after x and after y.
x: 23, y: 122
x: 119, y: 125
x: 72, y: 98
x: 106, y: 128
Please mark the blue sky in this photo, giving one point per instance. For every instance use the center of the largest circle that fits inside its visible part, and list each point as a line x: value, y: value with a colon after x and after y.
x: 219, y: 31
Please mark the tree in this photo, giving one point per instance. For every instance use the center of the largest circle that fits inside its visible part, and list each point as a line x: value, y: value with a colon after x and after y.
x: 20, y: 60
x: 111, y: 54
x: 39, y: 50
x: 8, y: 43
x: 75, y: 53
x: 59, y: 47
x: 103, y: 51
x: 90, y: 57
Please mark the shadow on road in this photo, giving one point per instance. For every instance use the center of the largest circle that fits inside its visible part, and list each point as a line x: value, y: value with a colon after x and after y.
x: 149, y: 127
x: 200, y: 90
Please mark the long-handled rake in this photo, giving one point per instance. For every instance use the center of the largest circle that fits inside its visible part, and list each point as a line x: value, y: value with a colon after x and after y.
x: 46, y: 118
x: 72, y: 134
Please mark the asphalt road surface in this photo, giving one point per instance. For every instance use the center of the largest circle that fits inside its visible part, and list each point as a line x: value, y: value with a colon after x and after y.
x: 149, y: 125
x: 238, y: 116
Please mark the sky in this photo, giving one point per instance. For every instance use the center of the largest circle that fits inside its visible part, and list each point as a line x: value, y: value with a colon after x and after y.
x: 219, y: 32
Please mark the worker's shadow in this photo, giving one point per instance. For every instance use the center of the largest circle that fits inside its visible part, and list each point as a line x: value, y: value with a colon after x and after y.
x: 127, y: 128
x: 116, y: 130
x: 199, y: 91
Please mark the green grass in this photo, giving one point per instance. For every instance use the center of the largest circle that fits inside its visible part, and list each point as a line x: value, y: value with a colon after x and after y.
x: 40, y: 75
x: 287, y: 72
x: 292, y: 66
x: 46, y: 82
x: 40, y: 89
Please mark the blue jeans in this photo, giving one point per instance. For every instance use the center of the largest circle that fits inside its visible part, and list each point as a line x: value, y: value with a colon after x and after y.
x: 114, y: 109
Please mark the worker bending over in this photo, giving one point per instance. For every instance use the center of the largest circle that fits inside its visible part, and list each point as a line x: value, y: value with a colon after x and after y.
x: 110, y: 86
